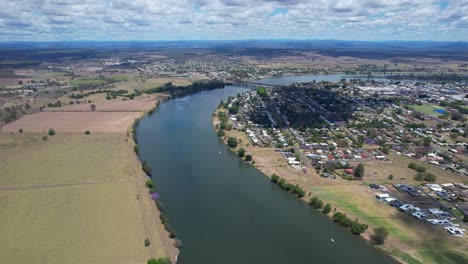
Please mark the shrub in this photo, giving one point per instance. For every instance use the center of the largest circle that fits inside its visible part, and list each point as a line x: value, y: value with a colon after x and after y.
x: 44, y: 138
x: 248, y: 157
x: 390, y: 177
x: 149, y: 183
x: 275, y: 178
x: 87, y: 132
x: 146, y: 168
x: 338, y: 217
x: 221, y: 133
x: 232, y: 142
x: 135, y: 148
x: 51, y: 132
x: 357, y: 228
x: 147, y: 242
x: 241, y: 153
x: 326, y: 209
x: 420, y: 169
x: 159, y: 261
x: 412, y: 166
x: 20, y: 130
x: 379, y: 236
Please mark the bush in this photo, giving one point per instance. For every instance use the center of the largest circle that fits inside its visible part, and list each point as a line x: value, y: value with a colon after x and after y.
x: 135, y: 148
x: 149, y: 183
x: 248, y: 157
x: 20, y: 130
x: 357, y: 228
x: 87, y: 132
x: 159, y: 261
x: 326, y: 209
x: 338, y: 217
x: 379, y: 236
x: 316, y: 202
x: 412, y: 166
x: 420, y: 169
x: 275, y: 178
x: 232, y: 142
x: 146, y: 168
x: 241, y: 153
x: 221, y: 133
x: 147, y: 242
x: 390, y: 177
x: 51, y: 132
x: 44, y: 138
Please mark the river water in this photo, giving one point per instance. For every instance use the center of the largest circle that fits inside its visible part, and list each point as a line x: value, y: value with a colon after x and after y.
x: 225, y: 211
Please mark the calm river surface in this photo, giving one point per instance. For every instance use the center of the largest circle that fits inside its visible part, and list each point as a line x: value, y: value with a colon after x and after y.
x: 225, y: 211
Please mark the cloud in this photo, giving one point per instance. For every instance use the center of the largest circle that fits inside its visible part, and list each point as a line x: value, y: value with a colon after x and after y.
x: 233, y: 19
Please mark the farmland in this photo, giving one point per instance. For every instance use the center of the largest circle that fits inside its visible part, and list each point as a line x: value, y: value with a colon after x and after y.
x: 75, y: 198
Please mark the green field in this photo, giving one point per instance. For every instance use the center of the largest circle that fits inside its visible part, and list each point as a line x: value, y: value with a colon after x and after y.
x: 90, y: 214
x: 427, y: 109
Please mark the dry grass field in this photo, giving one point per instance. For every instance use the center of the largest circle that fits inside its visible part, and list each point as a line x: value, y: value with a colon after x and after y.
x: 73, y: 199
x: 73, y: 122
x: 139, y: 104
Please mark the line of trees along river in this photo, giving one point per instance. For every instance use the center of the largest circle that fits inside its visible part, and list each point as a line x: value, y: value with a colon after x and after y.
x: 225, y: 211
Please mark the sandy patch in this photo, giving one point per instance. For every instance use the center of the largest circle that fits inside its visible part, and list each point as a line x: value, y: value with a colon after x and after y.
x: 74, y: 122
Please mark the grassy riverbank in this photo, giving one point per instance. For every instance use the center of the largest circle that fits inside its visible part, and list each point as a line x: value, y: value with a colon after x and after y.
x: 409, y: 241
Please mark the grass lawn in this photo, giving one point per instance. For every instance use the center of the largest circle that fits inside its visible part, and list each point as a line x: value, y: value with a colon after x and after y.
x: 102, y: 222
x: 427, y: 109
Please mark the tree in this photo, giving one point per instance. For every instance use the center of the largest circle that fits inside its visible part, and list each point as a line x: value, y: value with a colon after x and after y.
x: 87, y: 132
x: 427, y: 141
x: 92, y: 107
x: 248, y: 157
x: 221, y: 133
x: 326, y: 209
x: 44, y: 138
x: 232, y: 142
x: 275, y: 178
x: 147, y: 242
x: 379, y: 236
x: 390, y: 177
x: 359, y: 171
x: 241, y: 153
x: 20, y: 130
x: 51, y: 132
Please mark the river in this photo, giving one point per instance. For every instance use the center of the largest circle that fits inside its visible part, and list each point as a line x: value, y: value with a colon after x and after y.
x: 225, y: 211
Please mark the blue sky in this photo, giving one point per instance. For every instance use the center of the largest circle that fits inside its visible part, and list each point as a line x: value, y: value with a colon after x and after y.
x: 50, y: 20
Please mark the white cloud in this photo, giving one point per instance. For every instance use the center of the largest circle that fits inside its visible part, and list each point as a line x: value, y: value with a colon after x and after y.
x: 232, y: 19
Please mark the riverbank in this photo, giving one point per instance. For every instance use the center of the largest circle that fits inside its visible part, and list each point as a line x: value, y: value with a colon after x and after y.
x: 354, y: 198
